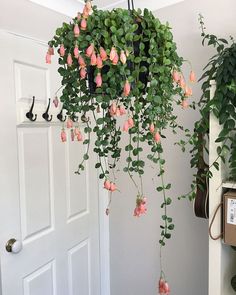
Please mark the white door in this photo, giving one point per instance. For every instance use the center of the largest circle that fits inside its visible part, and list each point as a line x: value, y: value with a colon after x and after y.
x: 43, y: 204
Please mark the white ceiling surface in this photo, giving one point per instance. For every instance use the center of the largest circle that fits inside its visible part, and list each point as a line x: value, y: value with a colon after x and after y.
x: 70, y: 7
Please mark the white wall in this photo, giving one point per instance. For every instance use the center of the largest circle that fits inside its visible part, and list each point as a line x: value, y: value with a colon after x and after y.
x: 134, y: 242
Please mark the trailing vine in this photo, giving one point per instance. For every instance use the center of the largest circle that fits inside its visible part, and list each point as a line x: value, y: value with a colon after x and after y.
x: 221, y: 69
x: 122, y: 64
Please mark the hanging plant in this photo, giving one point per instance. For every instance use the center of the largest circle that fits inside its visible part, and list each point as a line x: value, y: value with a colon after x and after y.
x: 221, y: 68
x: 122, y: 64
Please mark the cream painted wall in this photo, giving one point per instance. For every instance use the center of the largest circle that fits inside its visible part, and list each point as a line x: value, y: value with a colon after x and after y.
x: 134, y: 242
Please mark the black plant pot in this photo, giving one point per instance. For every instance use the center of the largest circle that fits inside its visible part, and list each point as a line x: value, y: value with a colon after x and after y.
x: 143, y: 76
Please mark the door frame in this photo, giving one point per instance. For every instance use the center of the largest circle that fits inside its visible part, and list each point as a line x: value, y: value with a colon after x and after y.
x: 103, y: 199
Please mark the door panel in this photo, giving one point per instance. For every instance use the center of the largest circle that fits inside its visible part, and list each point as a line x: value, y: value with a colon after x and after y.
x: 44, y: 204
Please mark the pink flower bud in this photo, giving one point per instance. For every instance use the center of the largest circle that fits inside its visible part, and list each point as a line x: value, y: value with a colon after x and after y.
x: 131, y: 123
x: 103, y: 54
x: 76, y: 31
x: 83, y: 24
x: 93, y: 60
x: 72, y: 135
x: 181, y: 82
x: 123, y: 57
x: 188, y: 91
x: 113, y: 187
x: 152, y: 128
x: 126, y: 91
x: 90, y: 50
x: 48, y: 58
x: 192, y: 77
x: 76, y: 131
x: 184, y: 104
x: 69, y: 60
x: 76, y: 51
x: 79, y: 136
x: 63, y: 135
x: 62, y: 50
x: 114, y: 107
x: 51, y: 50
x: 99, y: 62
x: 56, y: 101
x: 115, y: 59
x: 126, y: 126
x: 118, y: 112
x: 79, y: 16
x: 98, y: 80
x: 81, y: 62
x: 175, y: 76
x: 113, y: 53
x: 157, y: 137
x: 107, y: 185
x: 83, y: 73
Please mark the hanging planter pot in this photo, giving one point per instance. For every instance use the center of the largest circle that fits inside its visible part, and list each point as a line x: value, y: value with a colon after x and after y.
x: 122, y: 63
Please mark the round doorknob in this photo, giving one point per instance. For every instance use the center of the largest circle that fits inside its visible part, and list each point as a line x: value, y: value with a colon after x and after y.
x: 13, y: 246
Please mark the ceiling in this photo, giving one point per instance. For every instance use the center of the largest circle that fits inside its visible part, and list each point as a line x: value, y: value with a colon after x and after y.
x: 70, y: 7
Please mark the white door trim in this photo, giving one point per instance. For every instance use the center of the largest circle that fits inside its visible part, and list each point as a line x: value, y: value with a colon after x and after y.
x: 104, y: 235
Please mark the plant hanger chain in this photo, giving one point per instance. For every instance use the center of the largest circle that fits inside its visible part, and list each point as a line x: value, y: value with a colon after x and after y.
x: 131, y: 3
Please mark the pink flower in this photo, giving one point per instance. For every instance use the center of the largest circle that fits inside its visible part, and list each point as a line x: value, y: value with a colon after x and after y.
x: 152, y: 128
x: 157, y: 137
x: 69, y: 60
x: 175, y: 76
x: 83, y: 24
x: 103, y: 54
x: 184, y: 104
x: 76, y: 31
x: 48, y: 58
x: 123, y: 57
x: 98, y: 80
x: 122, y: 111
x: 83, y: 73
x: 192, y: 77
x: 113, y: 53
x: 79, y: 136
x: 86, y: 12
x: 63, y: 135
x: 113, y: 187
x: 115, y: 59
x: 77, y: 131
x: 76, y: 51
x: 62, y: 50
x: 69, y: 123
x: 164, y: 288
x: 140, y: 206
x: 93, y: 60
x: 126, y: 91
x: 72, y: 135
x: 56, y: 101
x: 126, y: 126
x: 118, y: 112
x: 188, y: 91
x: 99, y: 62
x: 81, y: 62
x: 113, y: 109
x: 90, y: 50
x: 107, y: 184
x: 131, y: 123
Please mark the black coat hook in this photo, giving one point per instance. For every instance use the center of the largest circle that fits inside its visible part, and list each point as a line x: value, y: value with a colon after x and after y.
x: 30, y: 114
x: 60, y: 116
x: 46, y: 115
